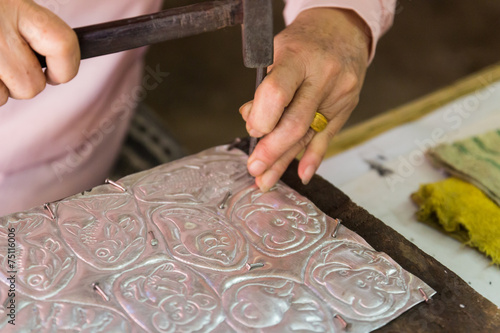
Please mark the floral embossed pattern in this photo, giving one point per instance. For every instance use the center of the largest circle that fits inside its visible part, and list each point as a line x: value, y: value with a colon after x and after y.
x: 195, y: 246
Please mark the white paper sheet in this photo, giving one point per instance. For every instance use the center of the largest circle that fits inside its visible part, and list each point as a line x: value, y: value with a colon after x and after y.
x: 402, y: 151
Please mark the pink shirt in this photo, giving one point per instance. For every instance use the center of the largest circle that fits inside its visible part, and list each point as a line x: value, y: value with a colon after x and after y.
x: 66, y: 139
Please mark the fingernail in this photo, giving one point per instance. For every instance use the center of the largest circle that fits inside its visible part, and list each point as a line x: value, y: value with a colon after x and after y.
x: 257, y: 168
x: 269, y: 179
x: 255, y: 133
x: 245, y: 108
x: 306, y: 178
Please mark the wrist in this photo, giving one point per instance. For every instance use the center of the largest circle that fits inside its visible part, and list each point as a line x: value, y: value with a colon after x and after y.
x: 343, y: 25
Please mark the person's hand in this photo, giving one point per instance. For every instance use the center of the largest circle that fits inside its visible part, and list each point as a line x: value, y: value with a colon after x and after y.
x: 26, y: 26
x: 319, y: 66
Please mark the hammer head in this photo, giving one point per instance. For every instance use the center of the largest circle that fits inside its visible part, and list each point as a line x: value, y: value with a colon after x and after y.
x: 257, y: 31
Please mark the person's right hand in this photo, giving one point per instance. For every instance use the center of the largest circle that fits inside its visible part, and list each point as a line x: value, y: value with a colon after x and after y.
x: 24, y: 27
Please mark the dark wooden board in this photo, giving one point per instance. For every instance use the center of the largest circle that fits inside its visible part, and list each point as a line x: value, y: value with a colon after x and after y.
x: 443, y: 313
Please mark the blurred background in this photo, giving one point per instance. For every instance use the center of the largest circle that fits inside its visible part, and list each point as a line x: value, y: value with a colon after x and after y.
x: 431, y: 45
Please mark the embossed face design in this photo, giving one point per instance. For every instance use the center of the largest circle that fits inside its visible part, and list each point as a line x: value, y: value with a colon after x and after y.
x: 262, y: 305
x: 167, y: 298
x: 281, y: 229
x: 103, y: 231
x: 274, y: 305
x: 363, y: 280
x: 279, y: 222
x: 201, y: 237
x: 197, y: 182
x: 44, y: 264
x: 215, y: 244
x: 182, y: 311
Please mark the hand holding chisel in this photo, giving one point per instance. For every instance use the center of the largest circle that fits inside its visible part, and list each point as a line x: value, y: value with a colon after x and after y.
x: 313, y: 85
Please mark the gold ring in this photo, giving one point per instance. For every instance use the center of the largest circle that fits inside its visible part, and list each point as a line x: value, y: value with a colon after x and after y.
x: 319, y: 123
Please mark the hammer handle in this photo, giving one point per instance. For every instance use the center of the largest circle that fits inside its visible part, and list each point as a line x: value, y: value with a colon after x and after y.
x: 121, y: 35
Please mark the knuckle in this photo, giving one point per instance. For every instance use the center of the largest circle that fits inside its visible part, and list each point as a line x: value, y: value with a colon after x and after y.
x: 332, y: 68
x: 297, y: 128
x: 289, y: 46
x: 66, y: 43
x: 31, y: 88
x: 276, y: 99
x: 276, y: 93
x: 306, y: 138
x: 331, y: 132
x: 350, y: 82
x: 282, y: 97
x: 266, y: 153
x: 298, y: 132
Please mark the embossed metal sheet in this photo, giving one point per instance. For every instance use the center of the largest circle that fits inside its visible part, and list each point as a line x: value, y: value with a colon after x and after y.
x: 171, y: 255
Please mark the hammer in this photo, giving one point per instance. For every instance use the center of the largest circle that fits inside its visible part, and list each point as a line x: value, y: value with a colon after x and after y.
x: 255, y: 17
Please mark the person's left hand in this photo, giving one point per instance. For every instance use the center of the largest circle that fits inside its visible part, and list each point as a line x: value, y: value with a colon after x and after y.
x: 319, y: 66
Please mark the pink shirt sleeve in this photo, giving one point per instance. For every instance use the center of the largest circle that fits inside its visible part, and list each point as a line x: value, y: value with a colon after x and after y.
x: 378, y: 14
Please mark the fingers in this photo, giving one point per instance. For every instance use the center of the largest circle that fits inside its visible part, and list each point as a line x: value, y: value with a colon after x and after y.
x: 24, y: 27
x: 316, y: 149
x: 317, y: 145
x: 273, y: 95
x: 52, y: 37
x: 313, y: 156
x: 274, y: 173
x: 21, y: 73
x: 292, y: 128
